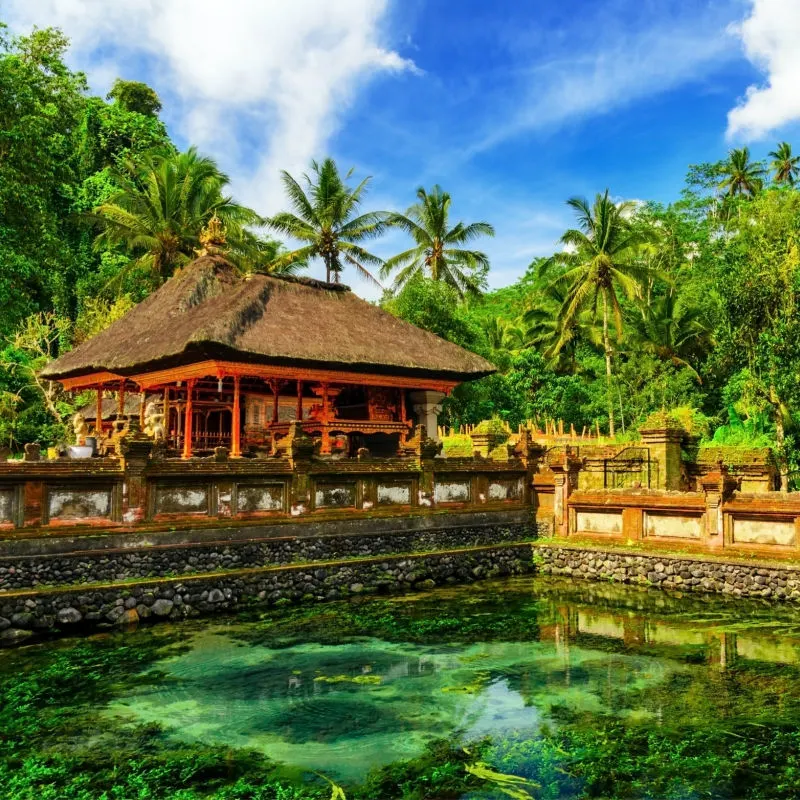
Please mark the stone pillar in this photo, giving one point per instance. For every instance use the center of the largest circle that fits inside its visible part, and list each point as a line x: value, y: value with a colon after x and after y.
x: 530, y: 453
x: 298, y: 450
x: 236, y: 419
x: 565, y: 469
x: 664, y: 443
x: 717, y: 486
x: 136, y: 449
x: 427, y: 404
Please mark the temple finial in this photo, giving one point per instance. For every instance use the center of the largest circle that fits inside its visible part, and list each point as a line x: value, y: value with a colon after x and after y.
x: 212, y: 237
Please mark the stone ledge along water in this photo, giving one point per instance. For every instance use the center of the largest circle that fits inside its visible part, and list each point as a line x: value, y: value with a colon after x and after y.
x: 23, y: 615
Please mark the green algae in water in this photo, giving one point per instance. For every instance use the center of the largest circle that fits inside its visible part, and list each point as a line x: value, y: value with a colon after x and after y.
x: 569, y: 689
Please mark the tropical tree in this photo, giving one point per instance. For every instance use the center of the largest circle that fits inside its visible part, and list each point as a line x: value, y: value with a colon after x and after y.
x: 598, y: 262
x: 784, y: 165
x: 557, y: 340
x: 163, y: 202
x: 439, y: 251
x: 326, y: 218
x: 672, y: 328
x: 741, y: 175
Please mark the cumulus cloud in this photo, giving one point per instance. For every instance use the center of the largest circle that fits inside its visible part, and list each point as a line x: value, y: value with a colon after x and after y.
x: 770, y: 38
x: 287, y: 69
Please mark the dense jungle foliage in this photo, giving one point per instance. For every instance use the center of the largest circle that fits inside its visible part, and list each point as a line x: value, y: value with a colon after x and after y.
x: 691, y: 305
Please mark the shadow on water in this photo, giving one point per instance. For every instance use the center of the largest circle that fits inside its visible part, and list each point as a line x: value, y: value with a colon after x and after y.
x: 541, y: 688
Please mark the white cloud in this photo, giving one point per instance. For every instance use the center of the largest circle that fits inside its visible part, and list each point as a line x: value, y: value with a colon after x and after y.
x: 610, y: 71
x: 770, y: 38
x: 287, y: 68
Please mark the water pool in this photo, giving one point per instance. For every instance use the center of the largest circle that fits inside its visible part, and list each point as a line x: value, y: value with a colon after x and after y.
x: 526, y: 688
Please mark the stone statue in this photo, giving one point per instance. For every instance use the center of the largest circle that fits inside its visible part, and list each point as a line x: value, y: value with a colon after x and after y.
x: 154, y: 422
x: 79, y: 428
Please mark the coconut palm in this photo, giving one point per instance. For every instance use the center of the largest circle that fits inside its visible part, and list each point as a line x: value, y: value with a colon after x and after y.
x: 325, y: 218
x: 742, y: 176
x: 163, y: 201
x: 438, y: 252
x: 598, y: 262
x: 502, y: 334
x: 784, y: 165
x: 672, y: 329
x: 557, y: 340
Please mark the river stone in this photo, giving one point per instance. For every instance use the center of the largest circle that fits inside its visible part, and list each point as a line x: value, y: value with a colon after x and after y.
x: 162, y: 607
x: 69, y: 616
x: 356, y: 588
x: 12, y: 636
x: 4, y: 623
x: 215, y: 596
x: 127, y: 617
x: 23, y: 620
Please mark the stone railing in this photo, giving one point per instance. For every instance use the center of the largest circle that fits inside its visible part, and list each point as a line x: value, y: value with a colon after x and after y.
x: 716, y: 518
x: 141, y: 489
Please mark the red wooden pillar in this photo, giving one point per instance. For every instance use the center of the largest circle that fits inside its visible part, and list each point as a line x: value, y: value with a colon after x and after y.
x: 121, y: 400
x: 298, y: 412
x: 166, y: 415
x: 187, y: 425
x: 98, y: 423
x: 403, y: 415
x: 236, y: 447
x: 326, y: 437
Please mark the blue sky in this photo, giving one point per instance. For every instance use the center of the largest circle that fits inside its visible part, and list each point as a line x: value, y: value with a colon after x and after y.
x: 511, y: 106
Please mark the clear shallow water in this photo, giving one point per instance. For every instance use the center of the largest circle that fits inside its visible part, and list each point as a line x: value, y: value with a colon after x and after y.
x: 582, y: 690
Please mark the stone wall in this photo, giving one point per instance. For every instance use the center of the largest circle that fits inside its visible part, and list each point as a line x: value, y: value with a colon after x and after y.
x: 22, y: 572
x: 739, y: 579
x: 24, y: 615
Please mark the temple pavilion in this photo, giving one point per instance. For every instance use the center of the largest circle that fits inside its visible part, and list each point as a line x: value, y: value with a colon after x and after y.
x: 218, y: 358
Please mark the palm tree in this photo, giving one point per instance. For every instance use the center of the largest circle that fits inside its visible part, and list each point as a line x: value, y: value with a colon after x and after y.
x: 742, y: 176
x: 672, y: 329
x: 784, y: 164
x: 502, y: 334
x: 325, y: 217
x: 438, y: 252
x: 599, y: 260
x: 163, y: 201
x: 558, y: 341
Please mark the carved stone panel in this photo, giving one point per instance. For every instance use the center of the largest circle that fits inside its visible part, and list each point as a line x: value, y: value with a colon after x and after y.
x: 452, y: 490
x: 599, y: 522
x: 505, y: 489
x: 679, y: 526
x: 68, y: 504
x: 761, y: 531
x: 394, y: 493
x: 335, y: 495
x: 262, y: 497
x: 7, y: 506
x: 181, y: 499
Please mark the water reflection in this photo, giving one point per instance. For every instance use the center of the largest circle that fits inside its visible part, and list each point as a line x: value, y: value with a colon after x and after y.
x: 326, y: 693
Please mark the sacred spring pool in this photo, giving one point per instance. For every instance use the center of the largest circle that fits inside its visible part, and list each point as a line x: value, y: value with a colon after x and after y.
x: 526, y: 688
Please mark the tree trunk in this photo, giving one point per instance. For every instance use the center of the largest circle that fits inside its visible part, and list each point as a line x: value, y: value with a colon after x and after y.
x: 780, y: 437
x: 609, y: 353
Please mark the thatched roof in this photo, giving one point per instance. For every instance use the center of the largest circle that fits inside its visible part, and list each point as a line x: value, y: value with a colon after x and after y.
x: 210, y: 311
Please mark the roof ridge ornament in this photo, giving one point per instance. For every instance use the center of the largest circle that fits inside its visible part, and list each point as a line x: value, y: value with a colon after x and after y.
x: 212, y: 238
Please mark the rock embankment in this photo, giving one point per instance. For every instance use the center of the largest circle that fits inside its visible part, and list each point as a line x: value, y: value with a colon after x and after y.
x: 25, y: 615
x: 671, y: 572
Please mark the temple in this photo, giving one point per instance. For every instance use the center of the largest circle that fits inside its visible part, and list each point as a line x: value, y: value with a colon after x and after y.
x: 215, y: 359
